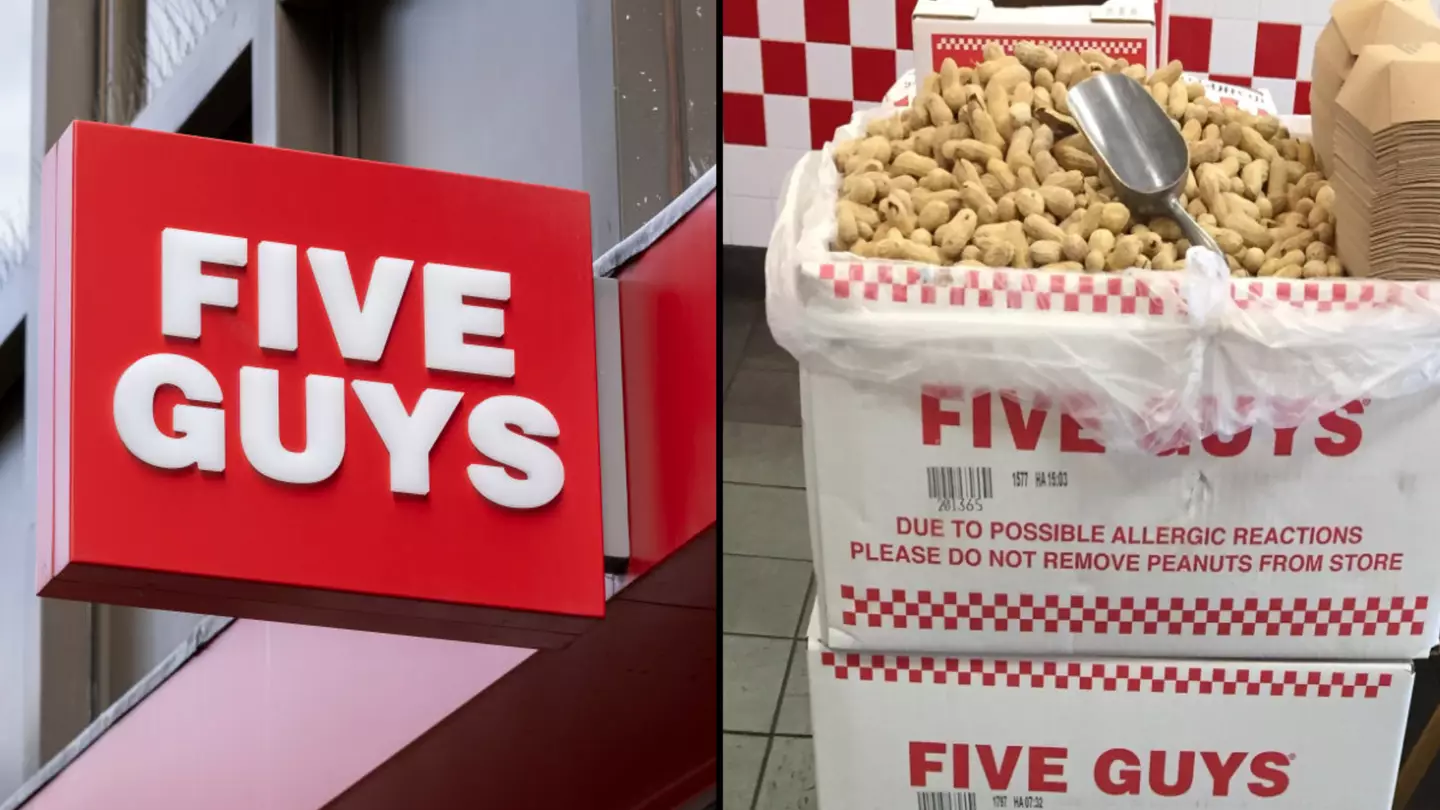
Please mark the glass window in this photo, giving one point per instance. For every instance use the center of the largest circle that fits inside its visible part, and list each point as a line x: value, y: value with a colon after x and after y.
x: 172, y: 29
x: 697, y: 42
x: 665, y: 101
x: 15, y: 34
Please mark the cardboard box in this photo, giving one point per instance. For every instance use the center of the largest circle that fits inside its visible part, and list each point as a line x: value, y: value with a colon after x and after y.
x: 959, y: 28
x: 961, y: 733
x: 949, y: 519
x: 1355, y: 24
x: 1250, y: 99
x: 1309, y: 543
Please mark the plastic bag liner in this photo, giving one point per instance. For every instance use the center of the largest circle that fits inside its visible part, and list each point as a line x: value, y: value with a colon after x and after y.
x: 1145, y: 360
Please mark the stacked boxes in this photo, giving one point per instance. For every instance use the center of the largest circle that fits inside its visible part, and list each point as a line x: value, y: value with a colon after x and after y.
x: 1013, y: 612
x: 955, y: 732
x: 957, y: 29
x: 1009, y: 615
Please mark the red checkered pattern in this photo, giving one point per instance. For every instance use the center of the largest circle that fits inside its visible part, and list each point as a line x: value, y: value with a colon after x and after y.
x: 968, y: 50
x: 1331, y: 296
x: 868, y: 283
x: 985, y: 288
x: 1138, y: 616
x: 771, y: 52
x: 1269, y: 48
x: 795, y: 70
x: 1106, y: 676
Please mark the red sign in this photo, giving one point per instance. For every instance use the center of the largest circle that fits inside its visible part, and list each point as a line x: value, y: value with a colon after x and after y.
x: 299, y: 387
x: 667, y: 321
x: 1117, y: 771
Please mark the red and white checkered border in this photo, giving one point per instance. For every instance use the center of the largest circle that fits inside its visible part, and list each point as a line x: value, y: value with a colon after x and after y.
x: 869, y: 283
x: 987, y: 288
x: 1331, y: 296
x: 1106, y: 676
x: 1110, y: 46
x: 1131, y: 615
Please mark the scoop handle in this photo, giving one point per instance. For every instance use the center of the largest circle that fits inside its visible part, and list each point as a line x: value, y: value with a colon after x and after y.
x: 1196, y: 234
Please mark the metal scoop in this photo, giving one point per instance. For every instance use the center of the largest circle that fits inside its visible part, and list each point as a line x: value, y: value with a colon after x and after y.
x: 1140, y: 150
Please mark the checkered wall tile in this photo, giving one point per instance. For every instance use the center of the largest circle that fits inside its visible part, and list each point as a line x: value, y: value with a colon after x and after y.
x: 1269, y: 44
x: 770, y: 85
x: 794, y: 70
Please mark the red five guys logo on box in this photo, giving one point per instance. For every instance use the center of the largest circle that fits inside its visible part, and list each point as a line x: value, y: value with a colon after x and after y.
x: 312, y: 389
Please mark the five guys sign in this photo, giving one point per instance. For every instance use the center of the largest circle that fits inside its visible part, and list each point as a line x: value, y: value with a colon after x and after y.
x: 304, y: 388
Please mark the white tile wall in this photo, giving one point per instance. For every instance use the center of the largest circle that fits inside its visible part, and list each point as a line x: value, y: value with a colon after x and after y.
x: 1283, y: 90
x: 751, y: 190
x: 742, y: 72
x: 1232, y: 47
x: 904, y: 60
x: 872, y: 23
x: 749, y: 219
x: 1191, y: 8
x: 1308, y: 34
x: 827, y: 68
x: 752, y: 176
x: 787, y: 122
x: 1312, y: 12
x: 783, y: 21
x: 1235, y: 9
x: 756, y: 171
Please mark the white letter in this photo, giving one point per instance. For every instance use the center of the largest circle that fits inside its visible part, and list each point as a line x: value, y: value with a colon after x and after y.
x: 408, y: 437
x: 202, y: 430
x: 183, y: 288
x: 360, y: 331
x: 260, y: 427
x: 489, y: 432
x: 279, y: 324
x: 448, y: 319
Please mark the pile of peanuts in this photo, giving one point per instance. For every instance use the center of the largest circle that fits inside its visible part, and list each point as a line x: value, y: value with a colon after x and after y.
x: 986, y: 168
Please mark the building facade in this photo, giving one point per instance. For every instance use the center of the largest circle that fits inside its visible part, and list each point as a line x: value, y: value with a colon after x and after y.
x: 613, y: 97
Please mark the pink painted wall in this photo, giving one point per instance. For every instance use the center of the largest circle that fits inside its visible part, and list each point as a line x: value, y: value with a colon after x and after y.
x: 276, y: 717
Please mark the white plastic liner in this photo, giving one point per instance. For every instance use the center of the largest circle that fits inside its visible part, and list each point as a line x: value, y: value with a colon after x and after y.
x: 1145, y: 359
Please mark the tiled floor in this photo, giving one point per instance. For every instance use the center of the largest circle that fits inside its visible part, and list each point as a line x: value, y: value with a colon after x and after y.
x: 769, y: 762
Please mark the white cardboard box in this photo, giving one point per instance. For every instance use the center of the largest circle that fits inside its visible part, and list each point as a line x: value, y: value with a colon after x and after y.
x: 1254, y: 100
x: 961, y: 733
x: 946, y: 521
x: 958, y: 28
x: 1313, y: 542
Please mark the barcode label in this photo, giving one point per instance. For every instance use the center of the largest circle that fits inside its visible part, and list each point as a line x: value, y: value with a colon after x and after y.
x: 938, y: 800
x: 951, y: 483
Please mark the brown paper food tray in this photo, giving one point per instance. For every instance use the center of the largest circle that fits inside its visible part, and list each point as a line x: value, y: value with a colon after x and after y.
x: 1393, y: 84
x: 1370, y: 22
